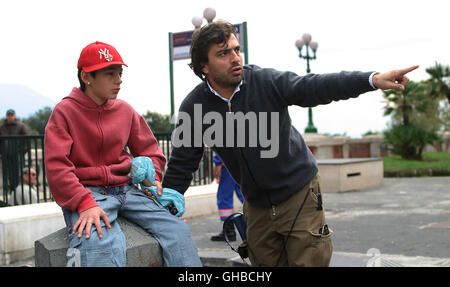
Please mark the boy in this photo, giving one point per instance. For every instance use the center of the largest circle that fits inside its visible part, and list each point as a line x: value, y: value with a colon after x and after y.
x: 87, y: 167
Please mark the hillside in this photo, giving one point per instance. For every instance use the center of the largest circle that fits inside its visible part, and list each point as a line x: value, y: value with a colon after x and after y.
x: 23, y: 100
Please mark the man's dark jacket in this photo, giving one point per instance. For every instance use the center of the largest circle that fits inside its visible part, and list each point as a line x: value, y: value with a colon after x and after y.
x: 14, y: 128
x: 264, y: 181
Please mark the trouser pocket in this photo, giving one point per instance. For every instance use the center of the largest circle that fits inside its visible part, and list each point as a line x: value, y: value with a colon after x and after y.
x: 308, y: 248
x: 309, y: 242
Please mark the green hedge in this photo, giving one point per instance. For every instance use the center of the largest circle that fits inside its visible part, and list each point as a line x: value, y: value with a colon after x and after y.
x: 433, y: 164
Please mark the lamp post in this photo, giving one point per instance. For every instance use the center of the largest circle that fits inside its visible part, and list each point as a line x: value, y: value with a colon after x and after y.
x: 209, y: 14
x: 310, y: 46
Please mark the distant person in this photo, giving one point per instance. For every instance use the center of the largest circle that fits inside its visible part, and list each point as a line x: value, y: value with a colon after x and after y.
x: 12, y: 126
x: 225, y: 195
x: 14, y: 149
x: 278, y: 178
x: 28, y: 194
x: 88, y: 168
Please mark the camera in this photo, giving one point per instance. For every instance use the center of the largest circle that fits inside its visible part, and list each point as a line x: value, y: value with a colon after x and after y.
x: 172, y: 209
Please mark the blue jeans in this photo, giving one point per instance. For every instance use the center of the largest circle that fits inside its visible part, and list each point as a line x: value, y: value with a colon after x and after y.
x: 128, y: 201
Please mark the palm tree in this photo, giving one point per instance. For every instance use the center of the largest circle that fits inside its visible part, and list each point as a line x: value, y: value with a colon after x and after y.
x: 414, y: 115
x: 439, y: 81
x: 407, y: 104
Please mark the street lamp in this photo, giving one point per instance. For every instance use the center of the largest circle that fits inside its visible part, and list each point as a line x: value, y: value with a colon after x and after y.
x: 209, y: 14
x: 197, y: 22
x: 309, y: 45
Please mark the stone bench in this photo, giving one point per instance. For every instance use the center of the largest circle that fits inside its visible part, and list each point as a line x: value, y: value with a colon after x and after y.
x: 340, y: 175
x: 21, y: 226
x: 142, y: 249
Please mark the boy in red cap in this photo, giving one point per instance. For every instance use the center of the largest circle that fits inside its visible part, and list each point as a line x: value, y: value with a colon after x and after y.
x: 88, y: 168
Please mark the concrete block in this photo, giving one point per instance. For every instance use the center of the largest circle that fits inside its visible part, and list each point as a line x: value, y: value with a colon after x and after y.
x: 142, y: 249
x: 21, y: 225
x: 339, y: 175
x: 202, y: 200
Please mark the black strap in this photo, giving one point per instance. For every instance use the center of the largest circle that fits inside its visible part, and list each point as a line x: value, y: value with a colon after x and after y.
x: 293, y: 223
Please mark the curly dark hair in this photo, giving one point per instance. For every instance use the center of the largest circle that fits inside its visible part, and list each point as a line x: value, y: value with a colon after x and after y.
x: 214, y: 33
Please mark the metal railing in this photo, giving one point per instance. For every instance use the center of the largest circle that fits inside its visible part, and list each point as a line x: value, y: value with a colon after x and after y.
x: 204, y: 174
x: 20, y: 154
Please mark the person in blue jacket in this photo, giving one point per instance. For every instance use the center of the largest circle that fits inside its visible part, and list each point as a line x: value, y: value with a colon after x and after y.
x: 225, y: 192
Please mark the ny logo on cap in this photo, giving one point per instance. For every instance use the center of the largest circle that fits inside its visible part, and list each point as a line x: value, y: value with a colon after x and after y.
x: 105, y: 53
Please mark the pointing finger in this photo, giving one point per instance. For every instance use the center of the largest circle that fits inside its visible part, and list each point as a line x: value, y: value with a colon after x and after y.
x: 407, y: 70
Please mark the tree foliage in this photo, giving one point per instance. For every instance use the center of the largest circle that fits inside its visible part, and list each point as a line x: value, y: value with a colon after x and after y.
x: 36, y: 122
x: 410, y: 140
x: 439, y: 81
x: 158, y: 123
x: 414, y: 120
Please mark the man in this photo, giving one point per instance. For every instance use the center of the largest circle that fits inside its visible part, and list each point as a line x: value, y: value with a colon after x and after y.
x: 278, y: 178
x: 11, y: 126
x: 28, y: 194
x: 88, y: 168
x: 14, y: 149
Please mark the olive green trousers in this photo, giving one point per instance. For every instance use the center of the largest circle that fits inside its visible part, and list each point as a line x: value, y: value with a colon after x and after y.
x: 280, y: 236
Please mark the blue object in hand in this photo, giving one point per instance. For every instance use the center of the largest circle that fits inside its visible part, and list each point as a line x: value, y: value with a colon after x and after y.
x: 169, y: 196
x: 142, y: 168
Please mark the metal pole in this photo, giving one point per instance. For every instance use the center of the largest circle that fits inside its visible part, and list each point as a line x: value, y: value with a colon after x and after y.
x: 308, y: 70
x: 172, y: 101
x: 244, y: 32
x: 310, y: 128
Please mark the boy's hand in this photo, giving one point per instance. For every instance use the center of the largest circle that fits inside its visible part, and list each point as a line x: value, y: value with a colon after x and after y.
x: 158, y: 185
x: 159, y: 189
x: 87, y: 218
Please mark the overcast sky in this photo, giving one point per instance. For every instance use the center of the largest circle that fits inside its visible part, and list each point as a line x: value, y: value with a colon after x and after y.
x: 41, y: 42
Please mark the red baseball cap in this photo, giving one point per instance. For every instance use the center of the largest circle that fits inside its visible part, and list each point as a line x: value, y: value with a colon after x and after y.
x: 98, y: 55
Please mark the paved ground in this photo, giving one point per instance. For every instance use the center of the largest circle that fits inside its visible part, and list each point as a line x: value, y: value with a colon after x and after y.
x: 406, y: 220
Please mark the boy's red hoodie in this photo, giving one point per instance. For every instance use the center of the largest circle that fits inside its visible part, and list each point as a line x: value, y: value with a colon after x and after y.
x: 85, y: 145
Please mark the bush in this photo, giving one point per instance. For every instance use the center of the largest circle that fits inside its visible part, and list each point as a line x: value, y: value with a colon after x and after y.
x: 408, y: 141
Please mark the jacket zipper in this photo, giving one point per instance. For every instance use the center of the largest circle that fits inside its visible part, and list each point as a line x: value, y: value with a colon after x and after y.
x: 101, y: 137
